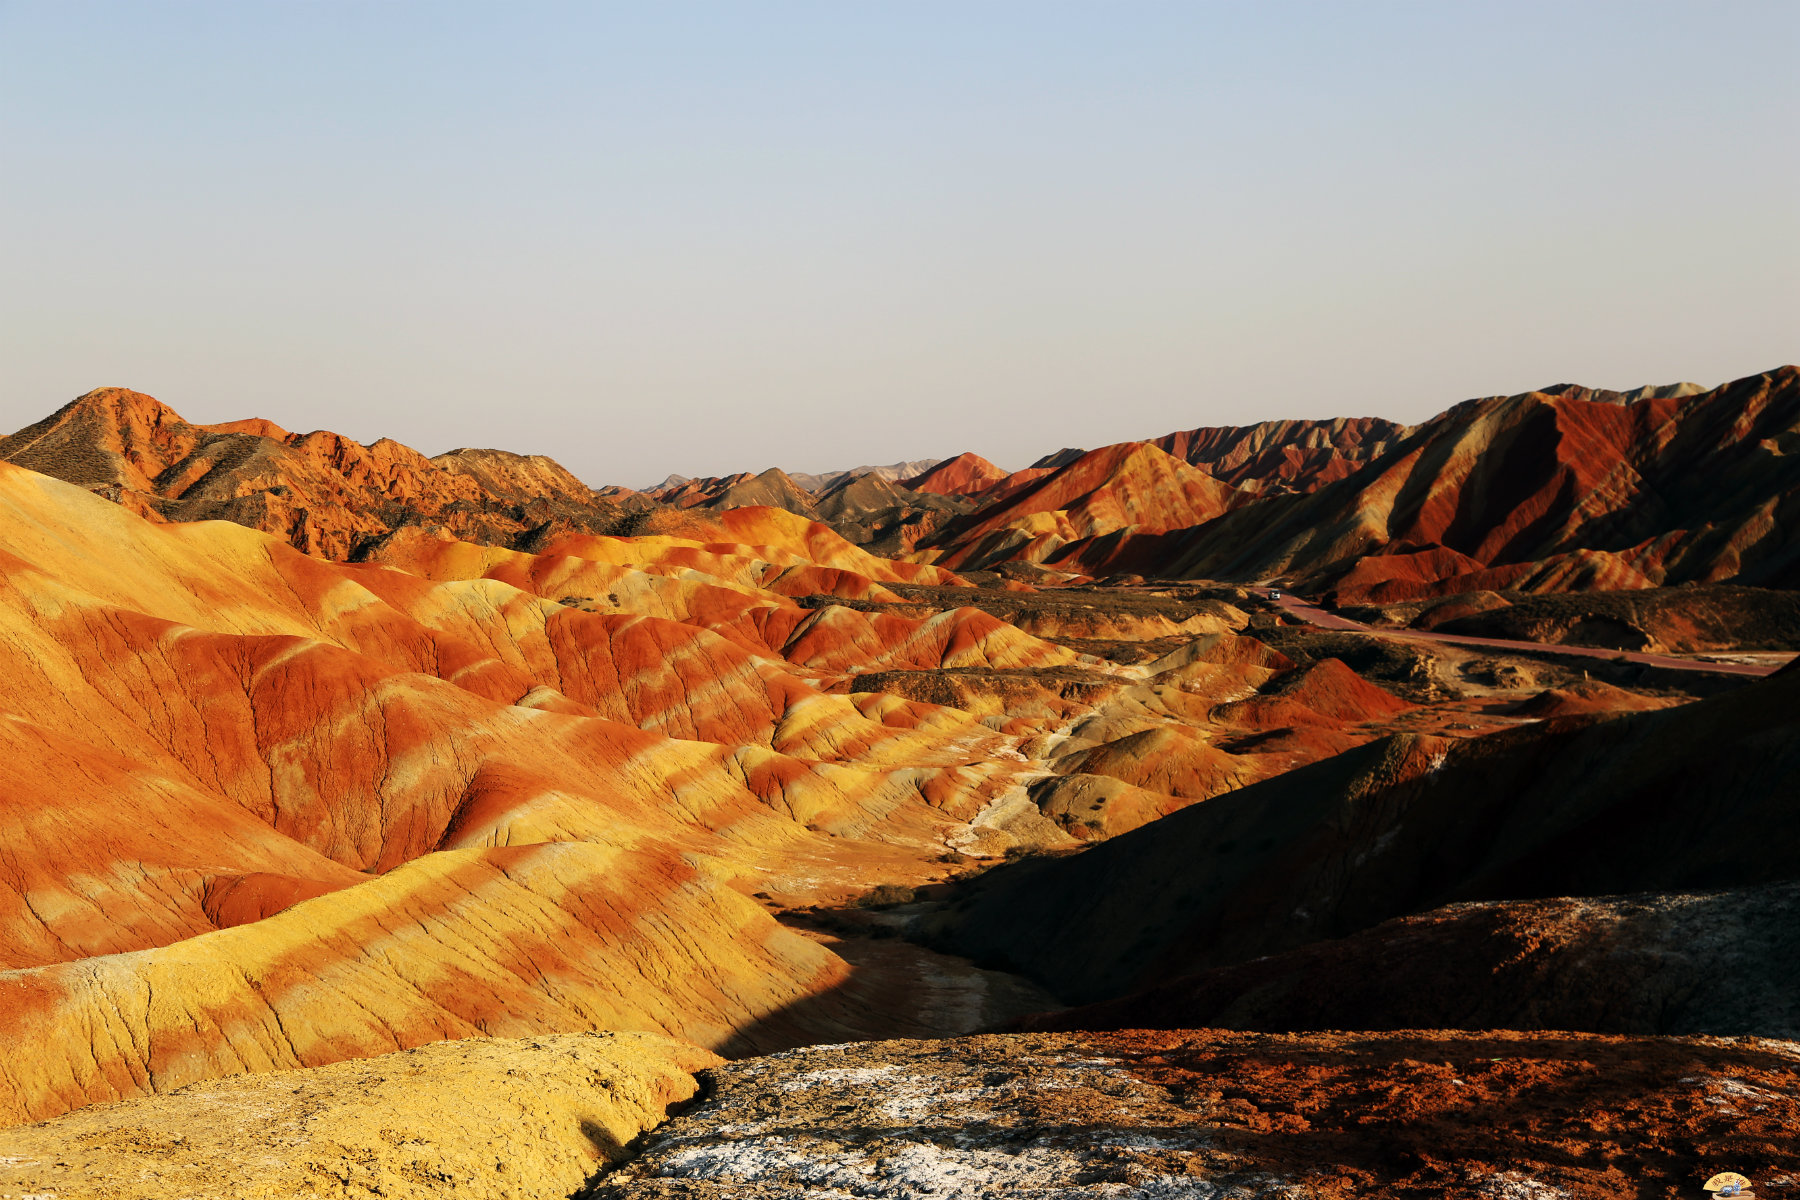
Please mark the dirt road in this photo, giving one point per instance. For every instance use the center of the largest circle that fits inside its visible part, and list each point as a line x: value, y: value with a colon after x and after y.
x: 1312, y: 614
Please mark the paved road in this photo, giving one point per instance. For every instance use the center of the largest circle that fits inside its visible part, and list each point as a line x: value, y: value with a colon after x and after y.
x: 1312, y: 614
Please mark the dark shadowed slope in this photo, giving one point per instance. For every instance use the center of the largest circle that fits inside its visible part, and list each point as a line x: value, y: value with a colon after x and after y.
x: 1724, y: 963
x: 1703, y: 795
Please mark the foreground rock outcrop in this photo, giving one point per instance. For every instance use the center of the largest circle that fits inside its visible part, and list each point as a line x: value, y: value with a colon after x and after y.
x: 484, y: 1119
x: 1120, y: 1116
x: 1177, y: 1115
x: 1204, y: 1115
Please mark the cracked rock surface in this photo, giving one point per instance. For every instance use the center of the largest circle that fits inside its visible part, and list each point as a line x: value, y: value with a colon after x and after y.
x: 1209, y: 1115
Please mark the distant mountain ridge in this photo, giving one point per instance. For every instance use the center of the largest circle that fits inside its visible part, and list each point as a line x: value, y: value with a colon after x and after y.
x: 968, y: 474
x: 864, y: 505
x: 325, y: 493
x: 1276, y: 456
x: 802, y: 480
x: 1568, y: 488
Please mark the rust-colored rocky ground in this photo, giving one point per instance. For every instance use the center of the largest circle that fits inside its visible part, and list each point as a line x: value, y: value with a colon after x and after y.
x: 1141, y: 1115
x: 264, y: 811
x: 1207, y: 1115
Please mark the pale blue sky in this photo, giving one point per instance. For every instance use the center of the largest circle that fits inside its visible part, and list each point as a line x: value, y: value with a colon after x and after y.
x: 711, y: 237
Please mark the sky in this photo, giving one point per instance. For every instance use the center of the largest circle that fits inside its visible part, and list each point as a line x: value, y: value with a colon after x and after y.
x: 704, y: 238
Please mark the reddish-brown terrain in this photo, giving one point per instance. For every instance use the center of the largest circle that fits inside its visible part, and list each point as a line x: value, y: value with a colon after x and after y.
x: 1108, y: 493
x: 1204, y: 1114
x: 324, y: 493
x: 317, y: 752
x: 1282, y: 456
x: 1568, y: 489
x: 967, y: 474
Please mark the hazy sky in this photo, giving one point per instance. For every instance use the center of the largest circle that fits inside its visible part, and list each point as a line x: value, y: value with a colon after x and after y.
x: 709, y: 237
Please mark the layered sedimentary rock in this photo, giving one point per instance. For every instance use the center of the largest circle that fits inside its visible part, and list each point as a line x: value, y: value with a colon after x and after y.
x: 891, y: 473
x: 1567, y: 489
x: 868, y: 506
x: 1112, y: 492
x: 771, y: 489
x: 264, y: 811
x: 967, y: 474
x: 1283, y: 456
x: 1546, y: 491
x: 1679, y: 620
x: 538, y: 762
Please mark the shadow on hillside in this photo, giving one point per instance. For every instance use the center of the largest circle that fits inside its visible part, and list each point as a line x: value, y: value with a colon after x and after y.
x: 896, y: 989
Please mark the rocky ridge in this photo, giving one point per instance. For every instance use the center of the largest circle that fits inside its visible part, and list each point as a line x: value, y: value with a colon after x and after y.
x: 324, y: 493
x: 1547, y: 491
x: 1565, y: 489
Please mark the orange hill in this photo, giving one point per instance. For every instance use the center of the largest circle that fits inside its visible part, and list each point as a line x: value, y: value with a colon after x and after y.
x: 1560, y: 490
x: 322, y: 492
x: 965, y: 475
x: 1113, y: 490
x: 492, y: 811
x: 263, y: 810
